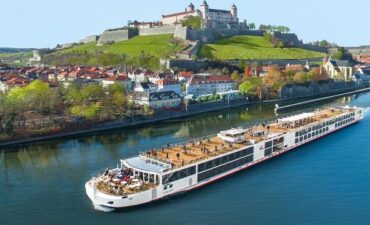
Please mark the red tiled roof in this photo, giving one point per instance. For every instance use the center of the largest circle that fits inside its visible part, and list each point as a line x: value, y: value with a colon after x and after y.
x: 207, y: 79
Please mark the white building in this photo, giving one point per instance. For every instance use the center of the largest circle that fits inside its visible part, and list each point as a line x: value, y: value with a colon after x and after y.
x: 211, y: 18
x: 156, y: 100
x: 169, y: 85
x: 176, y: 18
x: 339, y: 69
x: 146, y: 87
x: 205, y: 84
x: 214, y: 18
x: 122, y: 80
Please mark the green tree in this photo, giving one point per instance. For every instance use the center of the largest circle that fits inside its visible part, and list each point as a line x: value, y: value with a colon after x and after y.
x: 235, y: 76
x: 193, y: 22
x: 252, y: 26
x: 250, y: 85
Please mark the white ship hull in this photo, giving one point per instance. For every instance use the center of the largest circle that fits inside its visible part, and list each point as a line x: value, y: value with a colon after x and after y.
x: 191, y: 182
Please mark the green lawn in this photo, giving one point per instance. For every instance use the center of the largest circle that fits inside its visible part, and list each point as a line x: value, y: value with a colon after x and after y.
x: 252, y: 47
x: 157, y: 45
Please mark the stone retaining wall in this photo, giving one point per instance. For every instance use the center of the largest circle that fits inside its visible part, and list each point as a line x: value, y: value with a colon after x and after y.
x: 116, y: 36
x: 157, y: 31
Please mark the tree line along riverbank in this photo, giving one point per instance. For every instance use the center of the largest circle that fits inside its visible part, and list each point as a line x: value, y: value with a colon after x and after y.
x: 88, y: 128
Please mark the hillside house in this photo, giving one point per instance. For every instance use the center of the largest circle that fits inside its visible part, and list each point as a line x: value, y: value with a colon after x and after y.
x: 9, y: 82
x: 339, y: 69
x: 205, y: 84
x: 169, y: 84
x: 146, y: 87
x: 122, y: 80
x: 156, y: 100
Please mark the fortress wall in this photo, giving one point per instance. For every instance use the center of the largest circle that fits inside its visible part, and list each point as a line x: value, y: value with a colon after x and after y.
x: 116, y: 36
x: 157, y: 31
x: 182, y: 33
x: 89, y: 39
x: 290, y: 39
x: 226, y: 33
x: 252, y: 32
x: 211, y: 35
x: 314, y: 48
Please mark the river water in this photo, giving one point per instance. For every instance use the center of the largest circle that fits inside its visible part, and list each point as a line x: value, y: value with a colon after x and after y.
x: 325, y: 182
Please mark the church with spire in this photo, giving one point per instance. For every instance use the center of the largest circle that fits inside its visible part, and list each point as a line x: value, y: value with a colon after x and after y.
x: 210, y: 18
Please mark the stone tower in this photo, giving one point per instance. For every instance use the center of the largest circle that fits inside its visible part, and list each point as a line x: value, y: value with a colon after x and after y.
x: 204, y: 9
x: 190, y: 8
x: 234, y: 10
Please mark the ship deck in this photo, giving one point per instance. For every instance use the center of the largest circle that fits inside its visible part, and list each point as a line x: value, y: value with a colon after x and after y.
x: 209, y: 147
x: 184, y: 154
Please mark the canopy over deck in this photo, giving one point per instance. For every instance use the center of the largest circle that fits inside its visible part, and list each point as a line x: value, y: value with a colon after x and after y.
x: 298, y: 117
x: 145, y: 165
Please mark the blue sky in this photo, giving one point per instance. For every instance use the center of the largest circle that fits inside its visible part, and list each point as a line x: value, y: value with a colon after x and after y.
x: 45, y: 23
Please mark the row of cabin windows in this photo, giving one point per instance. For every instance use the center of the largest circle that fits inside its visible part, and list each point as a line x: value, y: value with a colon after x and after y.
x: 222, y: 169
x: 344, y: 122
x: 276, y: 148
x: 311, y: 135
x: 278, y: 141
x: 225, y: 159
x: 168, y: 178
x: 320, y: 126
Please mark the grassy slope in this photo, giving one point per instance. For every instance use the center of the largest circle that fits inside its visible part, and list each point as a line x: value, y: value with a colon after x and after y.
x: 157, y: 45
x: 15, y: 55
x: 252, y: 47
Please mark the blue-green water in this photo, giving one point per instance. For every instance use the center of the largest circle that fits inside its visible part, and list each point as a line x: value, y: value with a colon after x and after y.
x: 325, y: 182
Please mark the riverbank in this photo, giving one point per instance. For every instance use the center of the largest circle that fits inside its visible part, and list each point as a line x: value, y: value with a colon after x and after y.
x: 167, y: 115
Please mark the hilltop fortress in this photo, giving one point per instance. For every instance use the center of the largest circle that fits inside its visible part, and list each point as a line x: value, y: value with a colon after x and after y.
x: 210, y: 18
x: 215, y: 24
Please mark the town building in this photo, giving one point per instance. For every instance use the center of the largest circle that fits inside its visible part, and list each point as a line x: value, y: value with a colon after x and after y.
x: 140, y: 75
x: 339, y: 69
x: 169, y: 84
x: 205, y: 84
x: 146, y: 87
x: 156, y: 100
x: 363, y: 58
x: 121, y: 80
x: 210, y: 18
x: 9, y: 82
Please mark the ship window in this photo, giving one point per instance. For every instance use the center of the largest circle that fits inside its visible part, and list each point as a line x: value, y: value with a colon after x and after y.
x: 268, y: 152
x: 201, y: 167
x: 268, y: 144
x: 217, y: 162
x: 209, y: 165
x: 296, y: 140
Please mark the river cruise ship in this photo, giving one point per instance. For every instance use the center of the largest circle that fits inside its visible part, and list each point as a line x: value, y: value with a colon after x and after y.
x: 178, y: 168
